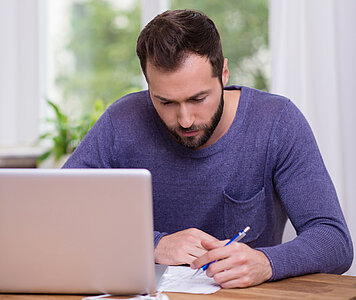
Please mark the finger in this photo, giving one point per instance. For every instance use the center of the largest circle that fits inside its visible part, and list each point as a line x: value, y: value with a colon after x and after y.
x: 189, y: 259
x: 219, y: 254
x: 194, y: 236
x: 210, y: 245
x: 227, y: 258
x: 201, y: 261
x: 205, y: 236
x: 208, y: 257
x: 237, y: 283
x: 196, y: 251
x: 237, y: 277
x: 216, y: 251
x: 183, y: 259
x: 211, y: 238
x: 226, y: 269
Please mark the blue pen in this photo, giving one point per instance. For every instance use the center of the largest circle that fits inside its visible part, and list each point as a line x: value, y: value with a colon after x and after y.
x: 236, y: 238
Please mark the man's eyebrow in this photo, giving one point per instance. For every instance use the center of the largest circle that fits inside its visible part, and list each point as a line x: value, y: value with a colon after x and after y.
x: 197, y: 95
x: 162, y: 98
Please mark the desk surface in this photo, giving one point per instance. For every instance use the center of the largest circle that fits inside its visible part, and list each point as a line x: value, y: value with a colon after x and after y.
x: 315, y: 286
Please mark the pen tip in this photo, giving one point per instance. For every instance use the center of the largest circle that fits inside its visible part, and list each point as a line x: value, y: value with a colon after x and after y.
x: 247, y: 229
x: 196, y: 273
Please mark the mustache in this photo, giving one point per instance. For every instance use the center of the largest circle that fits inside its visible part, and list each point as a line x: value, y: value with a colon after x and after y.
x: 189, y: 129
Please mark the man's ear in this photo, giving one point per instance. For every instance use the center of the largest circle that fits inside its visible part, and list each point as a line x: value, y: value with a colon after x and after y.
x: 225, y: 73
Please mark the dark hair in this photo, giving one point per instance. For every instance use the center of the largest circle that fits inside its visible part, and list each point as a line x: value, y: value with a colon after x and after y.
x: 171, y: 36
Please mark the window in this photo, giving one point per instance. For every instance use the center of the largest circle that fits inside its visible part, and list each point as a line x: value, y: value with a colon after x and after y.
x: 75, y: 52
x: 243, y: 27
x: 92, y: 55
x: 91, y: 52
x: 92, y: 44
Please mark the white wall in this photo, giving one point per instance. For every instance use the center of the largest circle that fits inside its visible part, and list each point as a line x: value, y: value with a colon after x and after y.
x: 313, y: 46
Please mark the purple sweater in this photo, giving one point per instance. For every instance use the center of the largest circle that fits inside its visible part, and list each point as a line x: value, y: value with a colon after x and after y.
x: 265, y: 168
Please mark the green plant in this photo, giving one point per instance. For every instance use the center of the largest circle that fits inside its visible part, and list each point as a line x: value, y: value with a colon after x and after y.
x: 101, y: 42
x: 68, y: 133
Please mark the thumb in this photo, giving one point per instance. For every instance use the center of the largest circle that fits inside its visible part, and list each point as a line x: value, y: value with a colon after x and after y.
x: 210, y: 245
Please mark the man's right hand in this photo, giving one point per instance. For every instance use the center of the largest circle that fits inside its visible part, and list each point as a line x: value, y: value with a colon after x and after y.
x: 182, y: 247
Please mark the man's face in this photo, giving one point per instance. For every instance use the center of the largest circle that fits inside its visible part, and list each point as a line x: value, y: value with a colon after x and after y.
x: 189, y: 101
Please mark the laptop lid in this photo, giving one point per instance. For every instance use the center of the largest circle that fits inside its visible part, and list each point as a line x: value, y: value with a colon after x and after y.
x: 76, y: 231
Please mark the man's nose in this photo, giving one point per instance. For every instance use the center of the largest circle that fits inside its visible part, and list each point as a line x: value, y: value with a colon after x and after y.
x: 185, y: 116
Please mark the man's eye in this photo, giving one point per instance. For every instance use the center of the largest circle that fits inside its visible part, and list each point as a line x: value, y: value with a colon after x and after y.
x: 199, y: 99
x: 166, y: 103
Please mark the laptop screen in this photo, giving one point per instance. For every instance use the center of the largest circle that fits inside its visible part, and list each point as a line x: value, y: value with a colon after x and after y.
x: 81, y: 231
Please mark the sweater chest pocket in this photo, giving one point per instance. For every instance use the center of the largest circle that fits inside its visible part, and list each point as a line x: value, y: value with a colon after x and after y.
x: 239, y: 214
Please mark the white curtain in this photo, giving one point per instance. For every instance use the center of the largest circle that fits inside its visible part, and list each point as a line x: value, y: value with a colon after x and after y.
x: 152, y: 8
x: 21, y: 60
x: 23, y: 68
x: 313, y: 51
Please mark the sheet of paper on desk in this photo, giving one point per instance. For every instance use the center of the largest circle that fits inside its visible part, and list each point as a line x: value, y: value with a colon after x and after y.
x: 179, y: 279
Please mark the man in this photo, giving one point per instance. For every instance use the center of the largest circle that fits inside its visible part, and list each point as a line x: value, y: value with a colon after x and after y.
x: 221, y: 158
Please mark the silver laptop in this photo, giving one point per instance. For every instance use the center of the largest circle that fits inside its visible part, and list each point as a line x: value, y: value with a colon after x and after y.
x: 78, y: 231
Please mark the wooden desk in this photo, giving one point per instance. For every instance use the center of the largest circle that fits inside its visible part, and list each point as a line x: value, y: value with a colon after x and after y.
x: 315, y: 286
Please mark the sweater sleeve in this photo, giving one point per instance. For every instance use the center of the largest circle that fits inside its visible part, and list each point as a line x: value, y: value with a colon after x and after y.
x: 323, y: 242
x: 157, y: 237
x: 97, y: 149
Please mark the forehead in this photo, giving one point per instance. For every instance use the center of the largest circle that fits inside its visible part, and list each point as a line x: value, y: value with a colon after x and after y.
x: 194, y: 75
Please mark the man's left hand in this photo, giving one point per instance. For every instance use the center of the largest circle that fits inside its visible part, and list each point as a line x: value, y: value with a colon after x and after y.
x: 235, y: 265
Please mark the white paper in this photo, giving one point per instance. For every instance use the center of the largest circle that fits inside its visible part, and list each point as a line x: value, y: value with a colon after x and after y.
x: 179, y: 279
x: 157, y: 296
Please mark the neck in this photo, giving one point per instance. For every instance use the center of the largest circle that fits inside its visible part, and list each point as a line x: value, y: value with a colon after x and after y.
x: 231, y: 102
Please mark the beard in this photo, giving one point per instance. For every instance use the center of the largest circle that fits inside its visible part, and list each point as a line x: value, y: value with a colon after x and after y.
x: 208, y: 129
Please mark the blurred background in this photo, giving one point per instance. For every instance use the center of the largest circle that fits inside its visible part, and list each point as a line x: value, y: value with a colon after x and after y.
x: 63, y: 62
